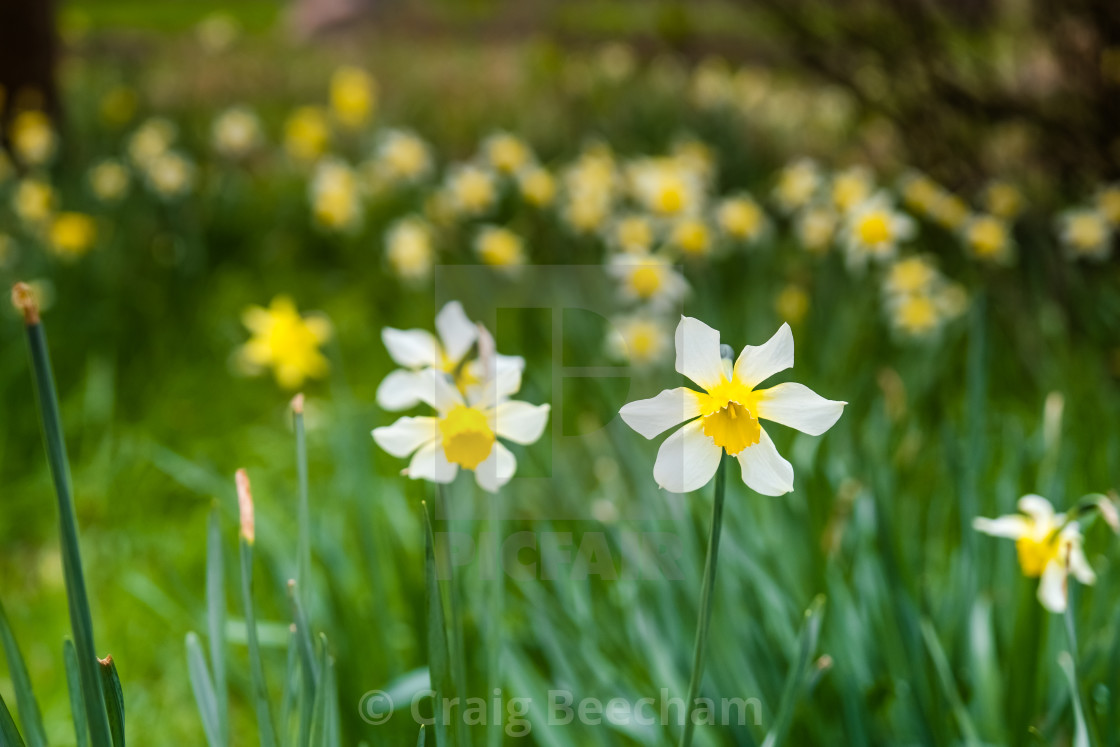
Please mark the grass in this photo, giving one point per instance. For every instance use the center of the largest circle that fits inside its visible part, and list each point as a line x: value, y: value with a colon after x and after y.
x: 861, y: 605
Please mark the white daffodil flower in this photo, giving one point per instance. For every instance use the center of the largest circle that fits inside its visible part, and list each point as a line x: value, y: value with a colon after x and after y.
x: 465, y: 431
x: 726, y: 415
x: 874, y: 229
x: 1049, y: 549
x: 418, y: 349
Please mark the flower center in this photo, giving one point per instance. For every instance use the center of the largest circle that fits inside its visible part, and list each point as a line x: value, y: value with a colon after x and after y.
x: 874, y: 229
x: 467, y: 438
x: 732, y: 428
x: 645, y: 281
x: 1035, y: 555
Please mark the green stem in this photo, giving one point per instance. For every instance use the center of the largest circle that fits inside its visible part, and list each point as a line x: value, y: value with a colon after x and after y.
x: 303, y: 559
x: 81, y: 621
x: 705, y: 603
x: 458, y: 660
x: 1071, y: 636
x: 256, y: 668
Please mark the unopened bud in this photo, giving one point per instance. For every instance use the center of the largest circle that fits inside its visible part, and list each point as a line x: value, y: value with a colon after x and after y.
x: 245, y: 506
x: 297, y: 404
x: 23, y: 298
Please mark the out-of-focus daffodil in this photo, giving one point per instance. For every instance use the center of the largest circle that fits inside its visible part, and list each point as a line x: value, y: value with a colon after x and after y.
x: 988, y: 239
x: 874, y: 230
x: 353, y: 96
x: 740, y: 218
x: 642, y: 340
x: 33, y: 138
x: 109, y: 180
x: 72, y: 234
x: 286, y: 342
x: 498, y: 246
x: 1085, y: 233
x: 236, y: 132
x: 648, y: 279
x: 409, y: 249
x: 798, y: 183
x: 307, y: 134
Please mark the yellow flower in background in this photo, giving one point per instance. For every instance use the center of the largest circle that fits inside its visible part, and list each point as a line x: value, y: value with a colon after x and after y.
x: 914, y: 314
x: 33, y: 201
x: 236, y: 132
x: 874, y: 230
x: 792, y: 304
x: 72, y: 234
x: 741, y: 218
x: 537, y: 185
x: 648, y: 279
x: 506, y: 153
x: 1002, y: 199
x: 909, y: 276
x: 1085, y: 233
x: 409, y: 249
x: 109, y: 180
x: 632, y: 234
x: 285, y: 342
x: 170, y: 175
x: 695, y: 157
x: 667, y: 187
x: 1048, y: 546
x: 403, y: 156
x: 691, y: 237
x: 587, y: 212
x: 119, y: 105
x: 151, y: 140
x: 353, y: 96
x: 33, y: 138
x: 335, y: 198
x: 988, y: 239
x: 726, y: 415
x: 306, y: 134
x: 1108, y: 203
x: 798, y: 183
x: 217, y: 32
x: 950, y: 211
x: 851, y: 187
x: 920, y: 193
x: 472, y: 190
x: 499, y: 247
x: 643, y: 340
x: 816, y: 228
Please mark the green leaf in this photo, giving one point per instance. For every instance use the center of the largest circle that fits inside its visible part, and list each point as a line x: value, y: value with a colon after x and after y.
x: 1080, y: 728
x: 948, y: 684
x: 291, y: 688
x: 256, y: 667
x: 81, y: 622
x: 795, y: 680
x: 438, y: 662
x: 309, y: 667
x: 203, y: 691
x: 320, y: 719
x: 74, y: 685
x: 114, y: 699
x: 421, y: 737
x: 26, y: 704
x: 9, y: 734
x: 216, y: 620
x: 303, y: 548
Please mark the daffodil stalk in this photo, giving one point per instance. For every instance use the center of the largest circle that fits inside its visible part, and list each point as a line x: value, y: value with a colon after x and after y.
x: 303, y: 559
x: 458, y: 662
x: 704, y: 617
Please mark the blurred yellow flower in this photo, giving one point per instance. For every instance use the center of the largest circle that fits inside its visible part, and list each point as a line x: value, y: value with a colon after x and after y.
x: 950, y: 211
x: 538, y: 186
x: 236, y: 132
x: 472, y: 190
x: 499, y: 247
x: 151, y: 140
x: 33, y: 138
x: 988, y: 239
x: 798, y: 183
x: 874, y: 230
x: 915, y: 314
x: 666, y: 186
x: 335, y: 197
x: 909, y: 276
x: 217, y: 32
x: 920, y: 193
x: 119, y: 105
x: 642, y: 340
x: 648, y: 279
x: 170, y: 175
x: 505, y: 153
x: 109, y: 180
x: 792, y: 304
x: 306, y: 134
x: 285, y: 342
x: 691, y: 237
x: 402, y: 156
x: 72, y: 234
x: 409, y: 250
x: 353, y: 96
x: 741, y: 218
x: 815, y: 228
x: 632, y: 234
x: 851, y: 187
x: 1085, y: 233
x: 33, y: 201
x: 1002, y: 199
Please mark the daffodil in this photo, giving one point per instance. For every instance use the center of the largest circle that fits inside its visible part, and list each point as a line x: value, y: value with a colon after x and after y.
x: 1002, y: 199
x: 33, y: 201
x: 72, y: 234
x: 874, y: 230
x: 170, y: 175
x: 151, y: 140
x: 642, y: 340
x: 506, y: 153
x: 1085, y: 233
x: 726, y: 416
x: 950, y: 211
x: 914, y: 314
x: 648, y: 279
x: 815, y: 227
x: 1048, y: 546
x: 537, y: 185
x: 286, y: 342
x: 798, y: 183
x: 353, y: 96
x: 335, y: 197
x: 851, y: 187
x: 499, y: 247
x: 306, y: 134
x: 472, y: 190
x: 1107, y: 201
x: 409, y: 249
x: 466, y: 430
x: 632, y: 234
x: 988, y: 239
x: 920, y: 193
x: 586, y: 212
x: 418, y: 349
x: 691, y: 237
x: 666, y: 186
x: 217, y: 32
x: 33, y: 138
x: 109, y: 180
x: 909, y: 276
x: 402, y: 156
x: 236, y: 132
x: 740, y: 218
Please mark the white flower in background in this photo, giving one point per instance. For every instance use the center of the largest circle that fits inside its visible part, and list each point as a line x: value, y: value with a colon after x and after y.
x: 402, y: 156
x: 1048, y: 547
x: 151, y: 140
x: 236, y: 132
x: 586, y: 212
x: 109, y: 180
x: 815, y: 227
x: 648, y: 279
x: 537, y: 185
x: 740, y: 218
x: 988, y: 239
x: 33, y: 201
x: 1085, y: 233
x: 695, y: 157
x: 851, y: 188
x: 32, y: 137
x: 914, y: 314
x: 667, y: 187
x: 910, y: 275
x: 418, y: 349
x: 335, y: 196
x: 217, y: 32
x: 798, y: 183
x: 409, y: 249
x: 506, y: 153
x: 643, y: 340
x: 465, y: 431
x: 691, y: 237
x: 500, y: 247
x: 1107, y: 201
x: 170, y: 175
x: 874, y: 229
x: 472, y: 190
x: 725, y: 417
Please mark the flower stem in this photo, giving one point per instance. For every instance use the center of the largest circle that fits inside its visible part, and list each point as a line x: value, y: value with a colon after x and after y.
x: 303, y: 548
x: 455, y: 636
x: 705, y: 604
x: 1075, y: 679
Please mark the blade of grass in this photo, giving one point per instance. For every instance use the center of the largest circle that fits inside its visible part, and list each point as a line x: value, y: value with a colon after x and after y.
x: 114, y: 699
x: 1080, y: 729
x: 303, y: 548
x: 74, y: 685
x: 948, y: 684
x: 203, y: 689
x: 26, y: 705
x: 420, y: 738
x: 81, y: 621
x: 216, y: 620
x: 291, y: 688
x: 9, y: 734
x: 256, y: 667
x: 438, y: 661
x: 796, y: 679
x: 308, y: 665
x: 320, y: 733
x: 705, y: 615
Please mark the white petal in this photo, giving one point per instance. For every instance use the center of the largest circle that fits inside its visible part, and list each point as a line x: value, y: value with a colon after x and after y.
x: 759, y: 362
x: 687, y: 460
x: 798, y: 406
x: 520, y: 422
x: 1038, y: 508
x: 1078, y: 563
x: 430, y: 463
x: 497, y: 469
x: 406, y: 435
x: 657, y: 414
x: 698, y: 352
x: 489, y: 392
x: 434, y: 388
x: 411, y: 348
x: 456, y: 331
x: 399, y: 390
x: 1052, y: 587
x: 764, y: 469
x: 1013, y: 526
